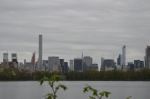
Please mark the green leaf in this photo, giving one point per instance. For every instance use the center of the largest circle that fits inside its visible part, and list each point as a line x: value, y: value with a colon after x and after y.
x: 55, y: 78
x: 43, y: 79
x: 85, y: 89
x: 128, y: 97
x: 106, y: 93
x: 49, y: 96
x: 102, y: 93
x: 92, y: 97
x: 63, y: 87
x: 94, y: 92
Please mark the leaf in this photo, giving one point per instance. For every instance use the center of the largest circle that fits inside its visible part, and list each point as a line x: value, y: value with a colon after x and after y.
x: 102, y: 93
x: 63, y: 87
x: 43, y: 79
x: 85, y: 89
x: 106, y: 93
x: 55, y: 78
x: 128, y: 97
x: 92, y: 97
x: 94, y: 92
x: 49, y: 96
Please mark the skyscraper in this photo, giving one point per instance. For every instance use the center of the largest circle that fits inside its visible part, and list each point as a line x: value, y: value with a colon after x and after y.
x: 71, y: 64
x: 78, y: 64
x: 87, y: 63
x: 123, y: 56
x: 40, y: 53
x: 119, y: 60
x: 54, y: 63
x: 33, y: 61
x: 147, y: 57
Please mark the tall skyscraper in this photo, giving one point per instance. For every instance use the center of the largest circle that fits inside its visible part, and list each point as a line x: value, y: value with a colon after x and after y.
x: 78, y: 64
x: 123, y: 62
x: 147, y: 57
x: 40, y: 53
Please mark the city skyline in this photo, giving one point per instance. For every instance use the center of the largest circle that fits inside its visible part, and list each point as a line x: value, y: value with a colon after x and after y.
x: 69, y: 27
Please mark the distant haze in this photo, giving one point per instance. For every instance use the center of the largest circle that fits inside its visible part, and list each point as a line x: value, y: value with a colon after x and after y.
x: 69, y: 27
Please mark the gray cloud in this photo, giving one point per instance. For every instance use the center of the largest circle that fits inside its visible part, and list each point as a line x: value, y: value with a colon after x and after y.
x: 69, y: 27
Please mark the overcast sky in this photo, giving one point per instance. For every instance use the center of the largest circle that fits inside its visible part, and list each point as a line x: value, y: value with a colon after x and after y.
x: 69, y: 27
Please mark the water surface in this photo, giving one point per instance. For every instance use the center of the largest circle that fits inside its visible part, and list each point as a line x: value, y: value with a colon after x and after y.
x: 33, y: 89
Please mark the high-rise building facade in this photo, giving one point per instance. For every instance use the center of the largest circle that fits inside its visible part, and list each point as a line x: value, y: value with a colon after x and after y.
x: 147, y: 57
x: 5, y: 62
x: 14, y: 60
x: 62, y: 65
x: 65, y: 69
x: 40, y: 53
x: 102, y: 64
x: 87, y: 63
x: 14, y: 57
x: 78, y: 64
x: 107, y: 63
x: 119, y: 60
x: 138, y: 64
x: 123, y: 59
x: 72, y: 64
x: 54, y: 63
x: 33, y: 61
x: 5, y: 57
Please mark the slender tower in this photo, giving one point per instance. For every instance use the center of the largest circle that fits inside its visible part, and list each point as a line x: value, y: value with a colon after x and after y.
x: 124, y: 55
x: 40, y: 53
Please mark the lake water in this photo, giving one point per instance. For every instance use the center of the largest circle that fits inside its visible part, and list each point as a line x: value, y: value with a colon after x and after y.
x: 33, y: 89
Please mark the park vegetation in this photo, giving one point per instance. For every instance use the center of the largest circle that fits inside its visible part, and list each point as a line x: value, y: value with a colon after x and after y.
x: 10, y: 74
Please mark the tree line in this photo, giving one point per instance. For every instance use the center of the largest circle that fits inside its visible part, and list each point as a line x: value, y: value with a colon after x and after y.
x: 10, y: 74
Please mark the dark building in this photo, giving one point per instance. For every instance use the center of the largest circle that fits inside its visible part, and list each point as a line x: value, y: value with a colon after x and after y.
x: 147, y: 57
x: 108, y: 63
x: 78, y: 64
x: 14, y: 60
x: 65, y: 69
x: 119, y: 60
x: 45, y: 65
x: 130, y: 66
x: 62, y: 64
x: 95, y: 67
x: 138, y: 64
